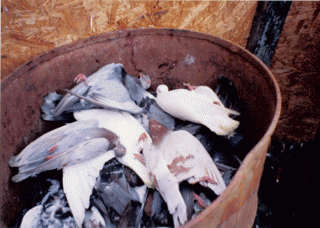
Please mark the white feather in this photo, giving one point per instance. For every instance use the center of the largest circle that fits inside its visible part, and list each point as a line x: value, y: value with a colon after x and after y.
x: 32, y: 218
x: 78, y: 182
x: 129, y: 131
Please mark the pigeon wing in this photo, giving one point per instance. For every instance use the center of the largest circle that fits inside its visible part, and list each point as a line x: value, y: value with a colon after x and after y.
x: 78, y: 182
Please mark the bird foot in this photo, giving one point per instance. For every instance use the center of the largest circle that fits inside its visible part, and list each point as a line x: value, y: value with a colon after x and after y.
x: 140, y: 158
x: 203, y: 180
x: 49, y: 157
x: 142, y: 75
x: 53, y: 148
x: 81, y: 78
x: 200, y: 202
x: 190, y: 87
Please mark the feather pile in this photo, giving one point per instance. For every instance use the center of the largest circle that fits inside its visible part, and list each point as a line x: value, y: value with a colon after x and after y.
x: 129, y: 158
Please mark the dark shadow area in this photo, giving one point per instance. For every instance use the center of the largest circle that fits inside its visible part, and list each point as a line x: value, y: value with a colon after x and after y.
x: 289, y: 194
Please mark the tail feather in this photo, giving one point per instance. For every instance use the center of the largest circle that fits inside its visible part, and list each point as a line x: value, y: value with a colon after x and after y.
x: 49, y: 104
x: 13, y: 162
x: 20, y: 177
x: 221, y: 125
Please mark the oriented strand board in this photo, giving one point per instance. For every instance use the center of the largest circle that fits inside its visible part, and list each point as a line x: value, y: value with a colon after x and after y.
x: 32, y: 27
x: 296, y: 65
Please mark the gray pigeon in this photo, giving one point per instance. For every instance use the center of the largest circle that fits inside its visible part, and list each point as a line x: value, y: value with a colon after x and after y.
x: 104, y: 89
x: 147, y: 102
x: 64, y: 146
x: 53, y: 211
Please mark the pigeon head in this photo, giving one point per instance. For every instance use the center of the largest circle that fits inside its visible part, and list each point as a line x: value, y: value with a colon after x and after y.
x: 145, y: 81
x: 162, y: 88
x: 157, y: 131
x: 119, y: 149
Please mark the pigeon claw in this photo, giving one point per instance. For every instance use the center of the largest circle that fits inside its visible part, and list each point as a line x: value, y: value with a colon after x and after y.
x: 142, y: 75
x: 208, y: 179
x: 190, y: 87
x: 81, y: 78
x: 200, y: 202
x: 53, y: 148
x: 49, y: 157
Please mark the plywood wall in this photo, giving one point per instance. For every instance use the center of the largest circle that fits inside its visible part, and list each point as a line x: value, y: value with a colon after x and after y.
x: 296, y: 65
x: 32, y: 27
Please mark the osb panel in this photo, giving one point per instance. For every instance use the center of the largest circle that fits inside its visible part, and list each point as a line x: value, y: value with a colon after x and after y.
x: 32, y: 27
x: 297, y: 69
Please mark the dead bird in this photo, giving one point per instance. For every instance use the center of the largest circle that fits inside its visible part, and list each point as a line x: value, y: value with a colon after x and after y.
x: 104, y: 89
x: 65, y: 146
x: 190, y: 162
x: 200, y: 105
x: 53, y: 211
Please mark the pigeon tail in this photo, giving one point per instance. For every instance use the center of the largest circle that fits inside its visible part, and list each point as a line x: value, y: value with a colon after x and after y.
x: 13, y: 162
x: 20, y: 177
x: 221, y: 125
x: 49, y: 105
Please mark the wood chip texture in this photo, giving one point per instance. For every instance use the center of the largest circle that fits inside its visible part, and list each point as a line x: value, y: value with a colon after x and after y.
x: 32, y: 27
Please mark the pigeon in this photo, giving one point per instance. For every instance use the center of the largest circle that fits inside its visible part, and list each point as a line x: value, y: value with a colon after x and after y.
x: 175, y: 156
x: 53, y: 211
x: 80, y: 149
x: 133, y: 136
x: 65, y: 146
x: 147, y: 102
x: 200, y: 105
x: 104, y: 89
x: 113, y: 188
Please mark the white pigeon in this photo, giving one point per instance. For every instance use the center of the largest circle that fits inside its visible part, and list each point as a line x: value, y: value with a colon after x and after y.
x: 133, y: 136
x: 200, y: 105
x: 176, y: 156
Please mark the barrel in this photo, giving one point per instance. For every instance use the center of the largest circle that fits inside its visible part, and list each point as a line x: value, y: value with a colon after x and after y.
x: 171, y: 57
